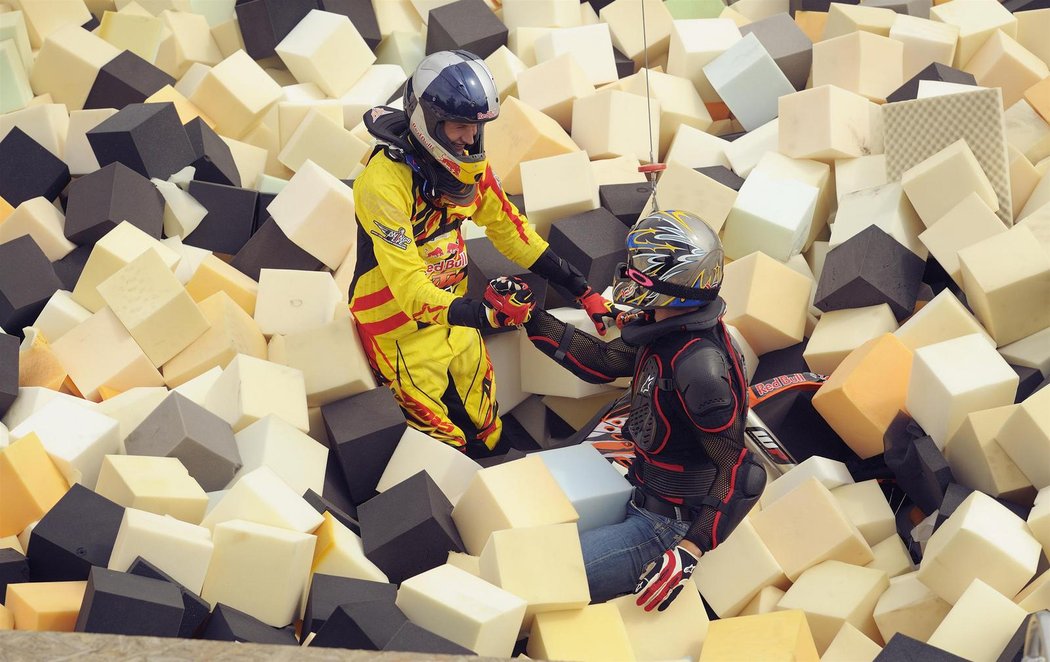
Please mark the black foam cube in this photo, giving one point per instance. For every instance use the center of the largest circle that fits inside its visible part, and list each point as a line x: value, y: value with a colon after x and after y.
x: 956, y: 493
x: 519, y: 202
x: 77, y: 533
x: 14, y: 569
x: 27, y: 281
x: 814, y: 5
x: 361, y: 625
x: 69, y: 268
x: 786, y: 43
x: 195, y: 608
x: 147, y: 137
x: 327, y: 592
x: 264, y: 23
x: 28, y: 170
x: 92, y: 24
x: 229, y: 624
x: 8, y: 371
x: 723, y: 176
x: 935, y: 71
x: 921, y: 470
x: 361, y: 14
x: 119, y: 603
x: 228, y: 223
x: 1014, y: 649
x: 125, y: 79
x: 323, y: 505
x: 408, y: 529
x: 791, y: 418
x: 1028, y: 380
x: 486, y: 263
x: 594, y: 242
x: 467, y: 25
x: 270, y: 248
x: 364, y: 430
x: 624, y: 64
x: 213, y: 160
x: 261, y: 214
x: 902, y: 648
x: 509, y: 456
x: 786, y: 361
x: 412, y: 638
x: 336, y: 492
x: 916, y: 8
x: 870, y: 268
x: 624, y: 201
x: 1015, y: 6
x: 102, y: 200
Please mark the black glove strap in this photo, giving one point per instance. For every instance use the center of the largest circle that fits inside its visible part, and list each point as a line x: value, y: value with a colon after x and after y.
x: 467, y: 312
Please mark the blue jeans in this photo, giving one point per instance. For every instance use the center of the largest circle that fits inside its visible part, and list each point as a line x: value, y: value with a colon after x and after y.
x: 615, y: 555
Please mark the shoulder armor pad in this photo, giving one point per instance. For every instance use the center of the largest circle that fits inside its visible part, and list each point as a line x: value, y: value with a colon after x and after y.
x: 703, y: 378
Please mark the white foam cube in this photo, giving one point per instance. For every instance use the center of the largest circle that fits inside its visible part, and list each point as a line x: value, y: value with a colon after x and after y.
x: 596, y: 490
x: 952, y: 378
x: 334, y: 365
x: 963, y: 225
x: 32, y: 399
x: 378, y: 83
x: 886, y: 207
x: 830, y: 473
x: 462, y: 608
x: 180, y: 549
x: 942, y: 318
x: 340, y: 552
x: 450, y: 469
x: 694, y: 43
x: 861, y: 62
x: 748, y: 81
x: 159, y: 485
x: 614, y: 123
x: 540, y: 13
x: 235, y: 93
x: 866, y: 506
x: 250, y: 388
x: 182, y: 213
x: 859, y: 173
x: 187, y: 40
x: 589, y: 45
x: 934, y: 186
x: 290, y: 453
x: 326, y: 49
x: 245, y: 552
x: 892, y: 557
x: 78, y: 153
x: 76, y: 438
x: 737, y: 570
x: 694, y: 148
x: 292, y: 301
x: 745, y: 152
x: 769, y: 215
x: 839, y: 332
x: 825, y: 123
x: 313, y: 211
x: 262, y: 496
x: 980, y: 624
x: 925, y: 41
x: 978, y: 460
x: 60, y: 314
x: 909, y: 607
x: 1039, y: 518
x: 1025, y: 437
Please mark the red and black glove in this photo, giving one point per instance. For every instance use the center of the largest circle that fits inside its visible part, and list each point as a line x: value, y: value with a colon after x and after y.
x: 597, y: 307
x: 508, y: 301
x: 663, y: 579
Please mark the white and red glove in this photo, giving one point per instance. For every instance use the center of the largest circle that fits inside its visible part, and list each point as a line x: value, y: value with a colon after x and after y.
x: 663, y: 579
x: 508, y: 301
x: 597, y: 307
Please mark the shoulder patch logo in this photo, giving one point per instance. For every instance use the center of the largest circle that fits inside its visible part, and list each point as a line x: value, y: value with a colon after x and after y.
x: 396, y: 238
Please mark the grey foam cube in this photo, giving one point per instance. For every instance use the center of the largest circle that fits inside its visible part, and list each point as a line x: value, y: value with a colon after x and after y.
x: 119, y: 603
x: 147, y: 137
x: 105, y: 198
x: 594, y: 242
x: 27, y: 281
x: 787, y: 44
x: 465, y: 25
x: 916, y: 8
x: 202, y: 441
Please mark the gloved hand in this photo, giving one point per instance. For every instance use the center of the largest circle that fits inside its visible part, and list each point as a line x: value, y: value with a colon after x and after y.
x: 663, y: 579
x: 635, y: 315
x: 508, y: 301
x: 597, y: 307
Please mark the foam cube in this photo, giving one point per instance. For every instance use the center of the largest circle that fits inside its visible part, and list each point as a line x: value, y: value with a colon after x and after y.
x: 593, y: 242
x: 17, y: 92
x: 294, y: 301
x: 855, y: 174
x: 181, y: 550
x: 78, y: 154
x: 542, y: 375
x: 680, y: 104
x: 937, y: 184
x: 979, y: 461
x: 212, y: 275
x: 289, y: 452
x: 965, y: 224
x: 1030, y: 351
x: 449, y: 468
x: 77, y: 533
x: 593, y: 632
x: 1036, y: 595
x: 910, y: 608
x: 312, y: 211
x: 125, y: 79
x: 31, y: 484
x: 980, y: 609
x: 235, y: 93
x: 227, y: 223
x: 243, y: 552
x: 322, y: 140
x: 943, y: 318
x: 866, y: 506
x: 892, y: 557
x: 186, y: 40
x: 465, y: 24
x: 695, y: 43
x: 830, y: 473
x: 505, y: 67
x: 486, y: 263
x: 778, y: 230
x: 553, y: 86
x: 270, y: 247
x: 844, y: 131
x: 613, y: 123
x: 845, y: 62
x: 975, y: 25
x: 26, y: 283
x: 251, y: 388
x: 147, y: 137
x: 590, y: 45
x: 596, y: 490
x: 925, y: 42
x: 328, y: 592
x: 39, y: 219
x: 748, y: 81
x: 364, y: 431
x: 262, y: 496
x: 46, y: 606
x: 786, y: 43
x: 885, y: 207
x: 76, y: 438
x: 229, y: 624
x: 627, y: 31
x: 547, y: 196
x: 676, y: 632
x: 214, y: 160
x: 851, y: 644
x: 68, y: 63
x: 734, y: 573
x: 103, y: 199
x: 1025, y: 436
x: 28, y: 169
x: 361, y: 625
x: 195, y: 610
x: 160, y: 485
x: 340, y: 552
x: 522, y: 133
x: 331, y: 359
x: 318, y: 49
x: 766, y: 301
x: 839, y: 332
x: 777, y: 635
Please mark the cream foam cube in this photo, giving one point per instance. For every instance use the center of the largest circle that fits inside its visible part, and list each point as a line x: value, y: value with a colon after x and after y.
x: 46, y: 123
x: 60, y: 314
x: 558, y: 186
x: 290, y: 114
x: 781, y: 635
x: 737, y: 570
x: 977, y: 22
x: 76, y: 438
x: 323, y: 141
x: 748, y: 81
x: 694, y: 148
x: 613, y: 123
x: 980, y: 624
x: 952, y: 378
x: 769, y: 215
x: 965, y: 224
x: 378, y: 83
x: 1039, y: 518
x: 806, y: 527
x: 892, y: 557
x: 844, y: 19
x: 522, y: 133
x: 677, y: 632
x: 182, y: 213
x: 262, y: 496
x: 978, y: 460
x: 326, y: 49
x: 43, y: 19
x: 246, y: 551
x: 13, y: 27
x: 681, y: 187
x: 942, y: 318
x: 78, y: 153
x: 766, y: 301
x: 937, y: 184
x: 863, y: 63
x: 131, y: 407
x: 851, y: 645
x: 595, y: 632
x: 330, y: 356
x: 154, y: 307
x: 1012, y: 299
x: 694, y: 43
x: 764, y: 602
x: 624, y: 19
x: 340, y: 552
x: 292, y: 301
x: 1032, y: 351
x: 235, y: 93
x: 212, y: 276
x: 290, y: 453
x: 830, y: 473
x: 252, y: 160
x: 925, y: 41
x: 589, y: 45
x: 1025, y: 437
x: 825, y: 123
x: 139, y: 33
x: 542, y: 565
x: 805, y: 171
x: 449, y: 468
x: 540, y: 14
x: 159, y: 485
x: 405, y: 49
x: 909, y: 607
x: 745, y: 152
x: 179, y: 549
x: 116, y: 249
x: 513, y: 495
x: 186, y: 41
x: 231, y: 331
x: 859, y: 173
x: 1036, y: 595
x: 553, y: 86
x: 39, y: 219
x: 67, y: 63
x: 833, y: 593
x: 839, y: 332
x: 981, y: 540
x: 866, y: 506
x: 465, y: 562
x: 885, y: 207
x: 32, y: 399
x: 542, y: 375
x: 680, y: 104
x: 37, y: 363
x: 522, y: 42
x: 1029, y: 134
x: 1002, y: 62
x: 505, y: 67
x: 250, y: 388
x: 312, y: 210
x: 462, y: 608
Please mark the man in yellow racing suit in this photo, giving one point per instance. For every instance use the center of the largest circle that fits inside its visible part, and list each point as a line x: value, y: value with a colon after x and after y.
x: 426, y: 176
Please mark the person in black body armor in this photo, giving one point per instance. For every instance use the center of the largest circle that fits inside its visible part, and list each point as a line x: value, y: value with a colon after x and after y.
x: 694, y: 478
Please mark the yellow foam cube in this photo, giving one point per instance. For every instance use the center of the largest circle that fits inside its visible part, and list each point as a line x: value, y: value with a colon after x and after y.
x: 46, y: 606
x: 595, y: 632
x: 766, y: 301
x: 186, y: 110
x: 522, y: 133
x: 30, y: 484
x: 677, y: 632
x: 558, y: 186
x: 160, y: 485
x: 781, y: 636
x: 624, y: 19
x: 340, y: 552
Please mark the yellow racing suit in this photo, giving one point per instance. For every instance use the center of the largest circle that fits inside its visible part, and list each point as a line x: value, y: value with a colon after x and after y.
x: 411, y: 267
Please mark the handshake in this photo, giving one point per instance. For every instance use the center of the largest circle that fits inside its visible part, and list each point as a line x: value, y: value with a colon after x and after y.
x: 509, y: 301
